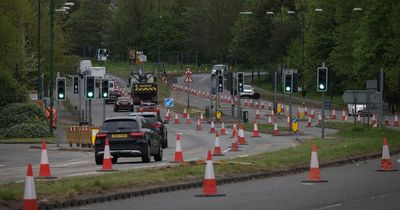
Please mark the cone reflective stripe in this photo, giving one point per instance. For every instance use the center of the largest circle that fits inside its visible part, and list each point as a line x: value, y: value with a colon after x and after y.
x: 107, y: 164
x: 241, y: 139
x: 30, y: 199
x: 217, y: 146
x: 319, y: 118
x: 269, y: 120
x: 257, y: 114
x: 276, y: 130
x: 256, y: 133
x: 309, y: 122
x: 223, y: 131
x: 198, y: 127
x: 212, y: 128
x: 333, y: 117
x: 44, y: 170
x: 201, y: 118
x: 343, y: 115
x: 178, y: 149
x: 396, y: 120
x: 176, y: 119
x: 188, y: 120
x: 209, y: 183
x: 312, y: 115
x: 386, y: 161
x: 314, y: 173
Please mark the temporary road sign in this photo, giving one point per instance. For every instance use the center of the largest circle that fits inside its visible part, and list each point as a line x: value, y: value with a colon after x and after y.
x: 168, y: 102
x: 188, y: 79
x: 218, y: 115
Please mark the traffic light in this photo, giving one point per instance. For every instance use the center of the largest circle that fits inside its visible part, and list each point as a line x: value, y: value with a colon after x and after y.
x: 220, y: 83
x: 104, y: 88
x: 240, y: 82
x: 76, y: 85
x: 61, y: 88
x: 90, y: 87
x: 288, y: 83
x: 322, y: 79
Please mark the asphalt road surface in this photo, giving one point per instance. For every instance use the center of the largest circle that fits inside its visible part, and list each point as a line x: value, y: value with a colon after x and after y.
x: 354, y: 186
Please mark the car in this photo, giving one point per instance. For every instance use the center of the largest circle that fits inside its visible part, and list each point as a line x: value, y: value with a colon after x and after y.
x: 218, y: 69
x: 361, y: 109
x: 113, y: 97
x: 248, y: 91
x: 157, y: 123
x: 128, y: 136
x: 148, y: 107
x: 123, y: 103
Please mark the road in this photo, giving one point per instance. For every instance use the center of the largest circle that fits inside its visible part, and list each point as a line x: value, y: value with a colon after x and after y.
x: 354, y: 186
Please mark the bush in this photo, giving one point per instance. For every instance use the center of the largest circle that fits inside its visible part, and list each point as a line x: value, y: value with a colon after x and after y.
x: 10, y: 90
x: 27, y: 130
x: 16, y: 113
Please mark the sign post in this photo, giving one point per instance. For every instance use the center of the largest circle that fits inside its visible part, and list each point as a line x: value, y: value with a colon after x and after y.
x: 188, y: 79
x: 322, y: 86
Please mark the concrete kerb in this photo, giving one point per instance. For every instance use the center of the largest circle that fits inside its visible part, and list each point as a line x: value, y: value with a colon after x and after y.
x: 198, y: 184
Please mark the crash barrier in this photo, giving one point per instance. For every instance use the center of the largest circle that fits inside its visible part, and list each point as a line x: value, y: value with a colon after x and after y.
x: 82, y: 136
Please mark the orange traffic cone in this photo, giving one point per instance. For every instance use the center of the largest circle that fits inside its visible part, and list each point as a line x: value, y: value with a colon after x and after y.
x: 201, y: 118
x: 269, y: 120
x: 276, y: 130
x: 188, y: 120
x: 168, y: 116
x: 333, y: 116
x: 30, y: 199
x: 223, y: 131
x: 184, y: 113
x: 343, y: 115
x: 198, y: 127
x: 234, y: 131
x: 234, y: 146
x: 314, y: 174
x: 256, y: 133
x: 178, y: 150
x: 373, y: 122
x: 209, y: 182
x: 176, y: 119
x: 396, y: 120
x: 107, y: 163
x: 312, y: 115
x: 319, y: 118
x: 217, y: 146
x: 306, y: 111
x: 345, y: 118
x: 241, y: 138
x: 386, y: 161
x: 309, y: 122
x: 44, y: 171
x: 257, y: 114
x: 212, y: 128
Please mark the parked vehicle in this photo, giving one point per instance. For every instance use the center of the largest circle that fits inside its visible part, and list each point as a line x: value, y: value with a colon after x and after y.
x: 123, y: 103
x: 157, y: 123
x: 128, y: 137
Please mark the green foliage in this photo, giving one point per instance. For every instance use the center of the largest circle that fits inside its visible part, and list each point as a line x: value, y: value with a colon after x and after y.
x: 27, y: 130
x: 19, y: 113
x: 10, y: 90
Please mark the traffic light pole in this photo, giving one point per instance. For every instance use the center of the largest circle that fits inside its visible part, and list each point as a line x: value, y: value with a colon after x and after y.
x: 104, y: 109
x: 58, y: 123
x: 323, y: 116
x: 90, y: 112
x: 290, y: 112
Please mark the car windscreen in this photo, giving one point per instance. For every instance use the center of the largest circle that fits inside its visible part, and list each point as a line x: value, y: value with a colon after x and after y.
x: 151, y: 118
x: 119, y: 125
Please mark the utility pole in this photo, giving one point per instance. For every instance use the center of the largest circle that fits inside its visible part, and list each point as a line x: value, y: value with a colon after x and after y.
x: 39, y: 84
x: 52, y: 2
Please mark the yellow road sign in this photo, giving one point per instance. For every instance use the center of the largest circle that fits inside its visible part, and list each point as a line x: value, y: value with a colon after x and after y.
x: 218, y: 115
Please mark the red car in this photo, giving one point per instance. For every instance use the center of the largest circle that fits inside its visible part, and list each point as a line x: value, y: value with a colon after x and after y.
x: 149, y: 107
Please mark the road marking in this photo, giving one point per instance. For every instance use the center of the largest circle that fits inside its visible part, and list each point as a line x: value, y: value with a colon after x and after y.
x: 2, y: 165
x: 331, y: 206
x: 310, y: 184
x: 243, y: 156
x: 226, y: 150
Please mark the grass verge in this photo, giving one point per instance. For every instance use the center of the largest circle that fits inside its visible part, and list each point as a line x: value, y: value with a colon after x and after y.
x: 350, y: 141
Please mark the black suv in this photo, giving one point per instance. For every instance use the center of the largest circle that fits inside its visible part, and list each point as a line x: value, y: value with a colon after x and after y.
x: 128, y: 137
x: 157, y: 123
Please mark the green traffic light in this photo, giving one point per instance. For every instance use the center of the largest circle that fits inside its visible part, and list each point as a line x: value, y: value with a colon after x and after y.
x: 105, y: 95
x: 90, y: 94
x: 321, y: 86
x: 287, y: 89
x: 61, y: 96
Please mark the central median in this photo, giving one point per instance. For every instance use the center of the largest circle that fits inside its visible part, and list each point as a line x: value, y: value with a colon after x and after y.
x: 350, y: 143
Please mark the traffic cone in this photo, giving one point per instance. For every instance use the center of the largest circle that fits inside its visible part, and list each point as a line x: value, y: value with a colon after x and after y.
x: 314, y: 174
x: 306, y: 111
x: 198, y: 127
x: 386, y: 161
x: 241, y: 138
x: 319, y: 118
x: 184, y: 113
x: 373, y: 121
x: 223, y: 131
x: 333, y: 116
x: 212, y: 128
x: 256, y: 133
x: 309, y: 122
x: 262, y: 105
x: 234, y: 146
x: 269, y: 120
x: 188, y: 120
x: 176, y: 119
x: 44, y: 171
x: 312, y: 115
x: 276, y: 129
x: 168, y: 116
x: 288, y: 121
x: 359, y: 118
x: 178, y: 150
x: 234, y: 131
x: 217, y: 146
x: 298, y: 112
x: 257, y: 114
x: 396, y: 120
x: 30, y: 199
x: 343, y: 115
x: 345, y: 118
x: 270, y: 106
x: 107, y: 163
x: 209, y: 182
x: 272, y: 112
x: 201, y: 118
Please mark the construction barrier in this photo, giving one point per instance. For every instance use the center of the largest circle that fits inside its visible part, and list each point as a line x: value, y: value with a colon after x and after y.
x: 83, y: 136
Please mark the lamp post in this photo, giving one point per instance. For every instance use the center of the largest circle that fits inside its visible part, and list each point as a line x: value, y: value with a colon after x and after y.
x: 39, y: 82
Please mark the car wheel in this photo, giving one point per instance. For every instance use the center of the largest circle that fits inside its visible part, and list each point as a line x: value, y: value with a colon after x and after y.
x: 146, y: 157
x: 114, y: 160
x: 99, y: 160
x: 159, y: 155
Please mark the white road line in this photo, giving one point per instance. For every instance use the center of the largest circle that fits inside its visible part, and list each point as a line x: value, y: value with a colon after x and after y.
x: 243, y: 156
x: 2, y: 165
x: 226, y: 150
x: 310, y: 184
x: 331, y: 206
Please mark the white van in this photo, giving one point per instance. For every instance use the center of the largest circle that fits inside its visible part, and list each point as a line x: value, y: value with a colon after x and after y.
x: 84, y: 67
